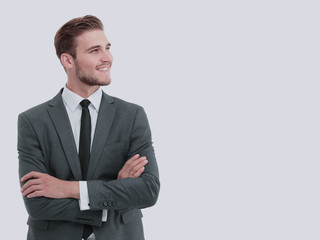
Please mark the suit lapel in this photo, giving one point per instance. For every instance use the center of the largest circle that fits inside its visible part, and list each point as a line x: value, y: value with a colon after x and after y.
x: 104, y: 122
x: 60, y: 119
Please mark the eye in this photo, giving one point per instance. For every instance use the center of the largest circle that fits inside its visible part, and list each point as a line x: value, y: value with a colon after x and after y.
x: 94, y: 50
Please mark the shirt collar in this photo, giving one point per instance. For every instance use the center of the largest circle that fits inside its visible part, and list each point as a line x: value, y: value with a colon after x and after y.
x: 73, y: 100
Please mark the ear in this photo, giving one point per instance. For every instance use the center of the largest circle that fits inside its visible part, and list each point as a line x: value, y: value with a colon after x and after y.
x: 67, y: 60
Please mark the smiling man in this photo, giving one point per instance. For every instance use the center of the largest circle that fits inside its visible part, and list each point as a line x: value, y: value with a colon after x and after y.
x: 86, y: 159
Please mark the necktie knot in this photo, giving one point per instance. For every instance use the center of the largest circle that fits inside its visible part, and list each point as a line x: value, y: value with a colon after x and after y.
x: 85, y: 103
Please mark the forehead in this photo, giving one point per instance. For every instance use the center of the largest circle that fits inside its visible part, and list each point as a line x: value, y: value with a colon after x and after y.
x: 91, y: 38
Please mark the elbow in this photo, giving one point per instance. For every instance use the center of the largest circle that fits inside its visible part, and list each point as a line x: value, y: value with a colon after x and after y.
x: 154, y: 189
x: 33, y: 207
x: 155, y: 194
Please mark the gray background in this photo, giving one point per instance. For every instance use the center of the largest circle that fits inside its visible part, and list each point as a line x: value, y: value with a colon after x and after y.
x: 231, y: 92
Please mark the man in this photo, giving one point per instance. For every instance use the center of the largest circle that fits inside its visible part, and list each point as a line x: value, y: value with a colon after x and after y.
x: 86, y: 160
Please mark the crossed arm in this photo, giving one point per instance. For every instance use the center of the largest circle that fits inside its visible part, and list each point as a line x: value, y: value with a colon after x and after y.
x: 43, y: 185
x: 49, y: 198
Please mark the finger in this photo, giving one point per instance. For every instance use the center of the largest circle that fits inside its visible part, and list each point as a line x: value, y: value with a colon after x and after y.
x: 32, y: 174
x: 139, y: 172
x: 127, y: 163
x: 127, y: 168
x: 120, y: 173
x: 137, y: 168
x: 136, y: 162
x: 135, y: 157
x: 36, y: 194
x: 134, y: 166
x: 130, y: 165
x: 31, y: 189
x: 30, y: 183
x: 140, y: 165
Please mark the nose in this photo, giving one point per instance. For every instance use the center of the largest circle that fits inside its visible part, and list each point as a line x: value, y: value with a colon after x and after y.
x: 106, y: 56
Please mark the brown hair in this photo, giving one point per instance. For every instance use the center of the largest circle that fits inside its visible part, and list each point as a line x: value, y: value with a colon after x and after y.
x: 64, y: 41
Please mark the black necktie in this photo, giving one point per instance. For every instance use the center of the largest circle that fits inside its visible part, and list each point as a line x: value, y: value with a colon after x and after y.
x: 84, y: 150
x: 85, y: 138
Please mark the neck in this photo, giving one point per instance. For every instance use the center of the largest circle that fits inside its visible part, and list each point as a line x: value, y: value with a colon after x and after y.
x: 82, y: 90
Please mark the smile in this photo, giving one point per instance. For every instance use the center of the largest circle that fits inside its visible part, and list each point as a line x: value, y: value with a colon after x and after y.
x: 103, y: 69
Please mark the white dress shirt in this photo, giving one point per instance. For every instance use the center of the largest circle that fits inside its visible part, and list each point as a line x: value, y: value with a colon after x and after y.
x: 72, y: 101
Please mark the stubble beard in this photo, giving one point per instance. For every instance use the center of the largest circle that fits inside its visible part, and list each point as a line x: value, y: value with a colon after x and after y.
x: 89, y: 80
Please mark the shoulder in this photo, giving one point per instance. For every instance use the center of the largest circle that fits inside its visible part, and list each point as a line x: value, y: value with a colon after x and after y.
x: 128, y: 113
x: 122, y: 104
x: 34, y: 117
x: 125, y: 110
x: 36, y: 111
x: 41, y: 110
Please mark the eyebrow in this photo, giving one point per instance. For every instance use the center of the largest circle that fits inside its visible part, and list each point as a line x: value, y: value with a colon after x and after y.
x: 97, y: 46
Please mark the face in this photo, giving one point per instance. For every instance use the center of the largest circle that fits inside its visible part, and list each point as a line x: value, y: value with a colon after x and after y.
x: 93, y: 61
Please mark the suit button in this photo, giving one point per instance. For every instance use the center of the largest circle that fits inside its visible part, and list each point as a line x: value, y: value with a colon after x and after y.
x: 114, y: 203
x: 109, y: 203
x: 105, y: 204
x: 100, y: 204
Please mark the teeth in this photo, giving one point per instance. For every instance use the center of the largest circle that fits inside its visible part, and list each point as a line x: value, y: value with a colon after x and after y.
x: 104, y: 69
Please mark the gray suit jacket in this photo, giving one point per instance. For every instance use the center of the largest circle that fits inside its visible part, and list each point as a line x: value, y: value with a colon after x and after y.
x: 46, y: 144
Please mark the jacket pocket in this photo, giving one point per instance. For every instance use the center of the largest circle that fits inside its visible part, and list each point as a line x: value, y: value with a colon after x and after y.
x: 41, y: 224
x: 131, y: 215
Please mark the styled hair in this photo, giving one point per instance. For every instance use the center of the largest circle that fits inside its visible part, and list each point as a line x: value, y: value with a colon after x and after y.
x: 64, y: 40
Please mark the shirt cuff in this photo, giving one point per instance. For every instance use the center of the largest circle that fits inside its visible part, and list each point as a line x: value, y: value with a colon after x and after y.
x: 104, y: 215
x: 84, y: 196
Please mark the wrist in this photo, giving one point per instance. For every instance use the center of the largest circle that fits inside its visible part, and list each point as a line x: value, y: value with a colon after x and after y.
x: 72, y: 189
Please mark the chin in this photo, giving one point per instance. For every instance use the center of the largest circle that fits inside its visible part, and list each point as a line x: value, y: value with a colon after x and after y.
x: 106, y: 83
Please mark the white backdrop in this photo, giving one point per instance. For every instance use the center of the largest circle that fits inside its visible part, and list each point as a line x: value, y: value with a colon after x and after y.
x: 231, y: 89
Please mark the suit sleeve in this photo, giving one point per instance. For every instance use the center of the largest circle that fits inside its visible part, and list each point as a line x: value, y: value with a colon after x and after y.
x: 130, y: 193
x: 31, y: 159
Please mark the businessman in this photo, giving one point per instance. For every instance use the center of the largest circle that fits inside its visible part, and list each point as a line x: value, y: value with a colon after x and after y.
x: 86, y: 160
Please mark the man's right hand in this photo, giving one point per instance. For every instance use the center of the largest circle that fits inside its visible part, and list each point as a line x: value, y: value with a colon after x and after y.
x: 133, y: 168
